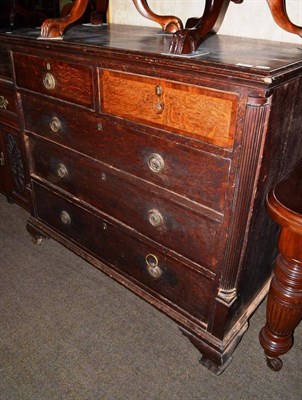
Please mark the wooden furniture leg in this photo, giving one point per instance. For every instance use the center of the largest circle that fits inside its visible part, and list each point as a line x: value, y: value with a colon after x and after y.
x: 284, y: 307
x: 52, y: 28
x: 99, y: 14
x: 188, y: 40
x: 169, y: 23
x: 278, y: 10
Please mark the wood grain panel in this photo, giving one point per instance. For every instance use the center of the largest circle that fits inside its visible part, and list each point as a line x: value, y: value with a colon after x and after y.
x: 189, y: 110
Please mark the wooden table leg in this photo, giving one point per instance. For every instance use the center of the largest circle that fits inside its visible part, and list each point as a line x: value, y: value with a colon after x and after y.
x: 284, y: 310
x: 284, y: 305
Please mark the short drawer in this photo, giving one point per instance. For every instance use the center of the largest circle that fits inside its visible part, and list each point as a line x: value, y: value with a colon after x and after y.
x: 137, y: 204
x: 197, y: 175
x: 67, y: 81
x: 7, y: 99
x: 164, y: 276
x: 204, y: 114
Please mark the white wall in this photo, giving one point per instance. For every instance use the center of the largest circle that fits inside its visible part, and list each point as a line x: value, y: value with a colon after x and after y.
x: 252, y: 18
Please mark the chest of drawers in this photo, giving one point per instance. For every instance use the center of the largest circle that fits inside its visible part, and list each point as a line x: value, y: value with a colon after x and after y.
x: 155, y: 168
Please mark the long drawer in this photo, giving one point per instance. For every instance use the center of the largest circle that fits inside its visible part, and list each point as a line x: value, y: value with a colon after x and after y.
x: 63, y: 80
x: 129, y: 200
x: 205, y: 114
x: 197, y: 175
x: 164, y: 276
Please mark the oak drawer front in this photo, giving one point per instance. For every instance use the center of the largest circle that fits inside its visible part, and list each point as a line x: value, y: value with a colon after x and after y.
x: 67, y: 81
x: 7, y: 99
x: 204, y: 114
x: 133, y: 202
x: 197, y: 175
x: 113, y: 245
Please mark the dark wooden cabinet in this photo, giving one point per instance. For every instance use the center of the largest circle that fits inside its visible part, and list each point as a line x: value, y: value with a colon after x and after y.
x: 155, y: 168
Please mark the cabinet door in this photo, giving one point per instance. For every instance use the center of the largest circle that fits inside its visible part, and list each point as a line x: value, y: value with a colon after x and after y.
x: 4, y: 174
x: 16, y: 175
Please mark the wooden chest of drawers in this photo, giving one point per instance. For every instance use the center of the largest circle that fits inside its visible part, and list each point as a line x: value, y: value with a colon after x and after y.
x: 155, y: 168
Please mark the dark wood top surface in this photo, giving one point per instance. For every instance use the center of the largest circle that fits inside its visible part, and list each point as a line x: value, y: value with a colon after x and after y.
x: 260, y: 57
x: 289, y: 191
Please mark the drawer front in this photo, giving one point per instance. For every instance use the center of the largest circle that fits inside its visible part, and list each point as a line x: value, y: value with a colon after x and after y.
x: 204, y: 114
x: 197, y: 175
x: 163, y: 275
x: 7, y: 100
x: 67, y: 81
x: 5, y: 64
x: 133, y: 202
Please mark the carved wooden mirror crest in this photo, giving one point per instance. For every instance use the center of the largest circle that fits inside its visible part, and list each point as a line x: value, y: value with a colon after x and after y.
x: 185, y: 39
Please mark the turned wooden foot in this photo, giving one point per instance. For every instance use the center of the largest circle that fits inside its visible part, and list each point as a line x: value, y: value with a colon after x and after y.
x: 284, y: 304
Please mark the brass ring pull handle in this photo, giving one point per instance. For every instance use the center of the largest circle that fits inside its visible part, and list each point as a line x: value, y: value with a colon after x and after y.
x: 55, y: 124
x: 65, y: 218
x: 3, y: 102
x: 156, y: 163
x: 62, y: 171
x: 155, y: 218
x: 49, y: 81
x: 152, y: 266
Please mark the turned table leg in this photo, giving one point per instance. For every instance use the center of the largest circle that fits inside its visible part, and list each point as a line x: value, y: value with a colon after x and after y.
x: 284, y: 310
x: 284, y: 305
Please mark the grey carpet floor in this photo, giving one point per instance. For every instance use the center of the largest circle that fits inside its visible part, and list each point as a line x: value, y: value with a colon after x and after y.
x: 70, y: 332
